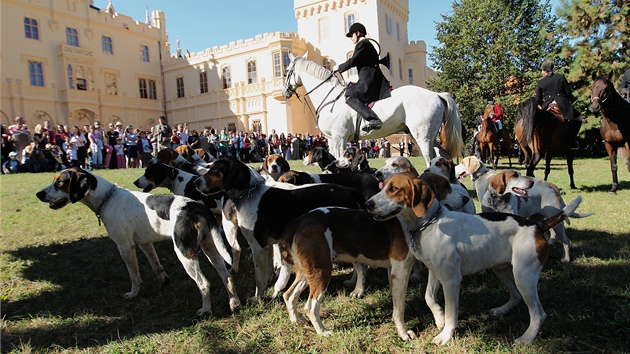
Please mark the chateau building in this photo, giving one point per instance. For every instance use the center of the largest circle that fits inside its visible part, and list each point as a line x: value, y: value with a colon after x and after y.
x: 71, y: 62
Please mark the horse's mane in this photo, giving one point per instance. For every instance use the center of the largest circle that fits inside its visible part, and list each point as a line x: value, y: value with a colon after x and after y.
x: 315, y: 70
x: 526, y: 112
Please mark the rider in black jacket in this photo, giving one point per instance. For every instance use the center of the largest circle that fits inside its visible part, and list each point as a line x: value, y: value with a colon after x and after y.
x: 372, y: 85
x: 554, y: 88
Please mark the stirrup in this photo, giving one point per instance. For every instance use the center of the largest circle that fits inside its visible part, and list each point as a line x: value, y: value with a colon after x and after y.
x: 372, y: 125
x: 575, y: 145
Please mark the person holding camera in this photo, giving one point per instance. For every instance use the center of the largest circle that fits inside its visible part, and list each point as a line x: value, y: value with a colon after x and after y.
x: 164, y: 133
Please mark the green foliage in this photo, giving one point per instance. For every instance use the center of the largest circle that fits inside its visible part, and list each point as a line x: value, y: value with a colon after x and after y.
x: 599, y: 41
x: 493, y: 48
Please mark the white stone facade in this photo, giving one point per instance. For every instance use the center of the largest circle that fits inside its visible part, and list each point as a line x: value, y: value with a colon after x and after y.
x: 237, y: 85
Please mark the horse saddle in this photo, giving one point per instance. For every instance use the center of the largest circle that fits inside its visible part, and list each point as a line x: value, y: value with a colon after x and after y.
x: 555, y: 110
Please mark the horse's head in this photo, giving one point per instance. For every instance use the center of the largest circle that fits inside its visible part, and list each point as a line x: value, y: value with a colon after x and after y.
x: 292, y: 80
x: 601, y: 91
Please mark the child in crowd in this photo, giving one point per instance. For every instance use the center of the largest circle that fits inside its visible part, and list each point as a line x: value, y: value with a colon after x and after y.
x: 72, y: 155
x: 120, y: 153
x: 12, y: 165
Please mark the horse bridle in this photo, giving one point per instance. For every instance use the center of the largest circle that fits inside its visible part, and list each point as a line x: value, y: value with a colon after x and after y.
x: 293, y: 91
x: 606, y: 91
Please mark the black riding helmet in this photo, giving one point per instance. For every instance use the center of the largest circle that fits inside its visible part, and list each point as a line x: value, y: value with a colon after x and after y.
x: 356, y: 27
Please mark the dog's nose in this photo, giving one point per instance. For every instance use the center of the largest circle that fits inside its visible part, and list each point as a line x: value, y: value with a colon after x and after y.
x: 369, y: 205
x: 41, y: 195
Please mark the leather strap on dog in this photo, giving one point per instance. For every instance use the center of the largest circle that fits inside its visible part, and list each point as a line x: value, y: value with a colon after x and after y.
x: 412, y: 240
x: 100, y: 207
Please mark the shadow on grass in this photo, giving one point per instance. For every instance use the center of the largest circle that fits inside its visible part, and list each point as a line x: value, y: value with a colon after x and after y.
x: 87, y: 308
x: 623, y: 185
x: 586, y: 300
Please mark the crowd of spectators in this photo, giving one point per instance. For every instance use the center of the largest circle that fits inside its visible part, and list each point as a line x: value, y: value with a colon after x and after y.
x: 47, y: 148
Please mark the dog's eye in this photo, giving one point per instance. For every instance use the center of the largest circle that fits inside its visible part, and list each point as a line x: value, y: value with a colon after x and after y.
x: 395, y: 165
x: 438, y: 164
x: 392, y: 188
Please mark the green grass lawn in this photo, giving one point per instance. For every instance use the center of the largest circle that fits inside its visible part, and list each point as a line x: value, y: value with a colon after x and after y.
x: 63, y: 281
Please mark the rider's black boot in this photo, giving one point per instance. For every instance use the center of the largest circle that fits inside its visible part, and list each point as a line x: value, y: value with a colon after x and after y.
x: 364, y: 111
x: 574, y: 129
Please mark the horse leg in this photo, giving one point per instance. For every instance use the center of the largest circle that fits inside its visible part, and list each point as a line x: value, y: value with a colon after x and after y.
x: 491, y: 149
x: 533, y: 158
x: 337, y: 146
x: 570, y: 166
x: 426, y: 148
x: 548, y: 157
x: 612, y: 154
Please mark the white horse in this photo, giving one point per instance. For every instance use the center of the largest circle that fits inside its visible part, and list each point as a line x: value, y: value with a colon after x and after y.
x: 410, y: 109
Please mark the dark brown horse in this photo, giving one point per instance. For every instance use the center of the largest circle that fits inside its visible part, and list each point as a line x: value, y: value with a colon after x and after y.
x: 614, y: 108
x: 540, y: 133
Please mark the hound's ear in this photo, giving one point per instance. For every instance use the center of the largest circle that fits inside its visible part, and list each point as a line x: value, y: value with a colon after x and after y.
x: 422, y: 197
x: 285, y: 165
x: 358, y: 159
x: 498, y: 182
x: 81, y: 183
x: 412, y: 169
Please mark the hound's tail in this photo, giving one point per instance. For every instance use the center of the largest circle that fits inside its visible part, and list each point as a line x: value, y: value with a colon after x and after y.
x: 567, y: 211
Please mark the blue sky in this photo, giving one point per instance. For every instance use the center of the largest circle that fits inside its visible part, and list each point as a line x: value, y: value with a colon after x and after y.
x: 206, y: 23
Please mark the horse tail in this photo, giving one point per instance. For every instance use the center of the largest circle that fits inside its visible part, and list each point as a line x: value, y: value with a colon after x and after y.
x: 526, y: 113
x: 454, y: 143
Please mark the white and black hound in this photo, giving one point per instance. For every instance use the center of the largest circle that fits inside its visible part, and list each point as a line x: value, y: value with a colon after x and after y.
x: 180, y: 182
x: 135, y: 218
x: 263, y: 211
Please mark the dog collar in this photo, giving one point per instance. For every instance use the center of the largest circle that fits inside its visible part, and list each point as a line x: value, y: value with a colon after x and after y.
x: 248, y: 193
x: 100, y: 207
x: 422, y: 227
x: 476, y: 176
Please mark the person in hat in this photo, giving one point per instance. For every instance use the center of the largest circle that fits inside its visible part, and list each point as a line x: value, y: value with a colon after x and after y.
x: 12, y: 165
x: 496, y: 115
x: 553, y: 90
x: 372, y: 85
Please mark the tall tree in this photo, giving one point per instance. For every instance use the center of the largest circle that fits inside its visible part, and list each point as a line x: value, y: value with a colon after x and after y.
x: 492, y: 48
x: 598, y: 33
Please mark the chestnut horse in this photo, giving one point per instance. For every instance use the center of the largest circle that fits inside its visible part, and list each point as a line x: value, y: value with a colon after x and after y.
x: 614, y: 108
x: 541, y: 133
x: 488, y: 139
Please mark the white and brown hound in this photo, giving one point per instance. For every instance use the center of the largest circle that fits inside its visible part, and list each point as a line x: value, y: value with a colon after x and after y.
x: 264, y: 210
x: 509, y: 192
x: 135, y: 218
x: 453, y: 244
x: 274, y: 165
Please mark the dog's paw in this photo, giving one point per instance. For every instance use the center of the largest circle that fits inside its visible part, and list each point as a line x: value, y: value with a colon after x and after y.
x: 441, y: 339
x: 523, y: 340
x: 253, y: 300
x: 407, y: 336
x: 498, y: 311
x: 235, y: 304
x: 130, y: 295
x: 204, y: 312
x: 356, y: 293
x: 325, y: 333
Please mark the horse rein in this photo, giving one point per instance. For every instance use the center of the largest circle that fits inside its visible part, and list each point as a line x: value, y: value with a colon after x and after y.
x: 600, y: 100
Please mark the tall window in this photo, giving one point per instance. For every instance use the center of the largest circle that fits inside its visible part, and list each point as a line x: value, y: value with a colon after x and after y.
x: 203, y: 82
x: 180, y: 87
x: 410, y: 77
x: 277, y: 65
x: 397, y: 31
x: 70, y: 78
x: 106, y: 43
x: 36, y: 71
x: 72, y: 37
x: 400, y: 68
x: 252, y: 75
x: 226, y: 76
x: 142, y: 84
x: 350, y: 20
x: 31, y: 30
x: 323, y: 28
x: 390, y: 24
x: 152, y: 90
x: 144, y: 53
